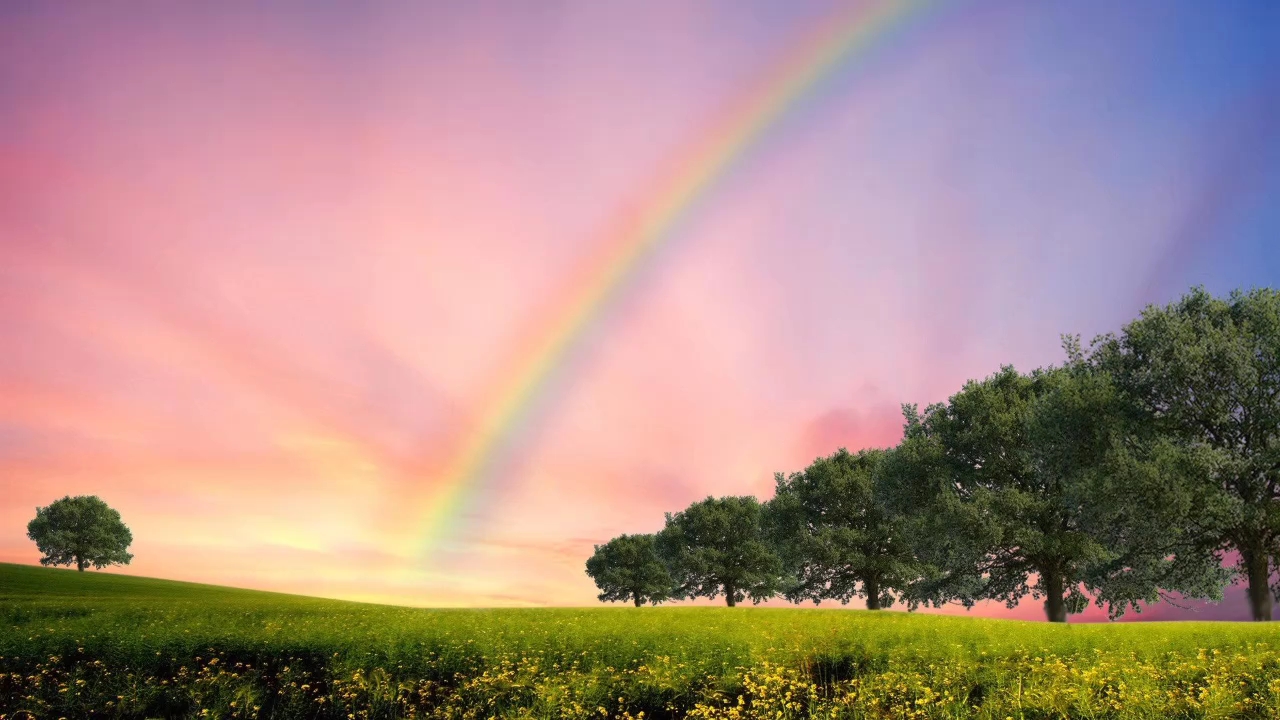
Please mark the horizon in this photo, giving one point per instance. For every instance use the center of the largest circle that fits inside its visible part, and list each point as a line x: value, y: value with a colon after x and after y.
x: 1148, y: 615
x: 277, y: 281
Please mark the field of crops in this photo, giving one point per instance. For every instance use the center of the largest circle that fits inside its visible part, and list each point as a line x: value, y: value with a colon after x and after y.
x: 91, y: 645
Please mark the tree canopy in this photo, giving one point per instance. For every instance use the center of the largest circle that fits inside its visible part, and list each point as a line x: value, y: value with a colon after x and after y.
x: 1127, y: 475
x: 627, y: 568
x: 1047, y: 484
x: 717, y: 546
x: 80, y: 531
x: 835, y: 536
x: 1207, y: 373
x: 1005, y: 519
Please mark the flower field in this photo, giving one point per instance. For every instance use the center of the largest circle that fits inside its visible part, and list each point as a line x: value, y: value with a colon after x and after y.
x: 78, y: 645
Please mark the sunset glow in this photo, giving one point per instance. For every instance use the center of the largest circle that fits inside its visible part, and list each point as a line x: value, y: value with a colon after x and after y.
x: 416, y: 304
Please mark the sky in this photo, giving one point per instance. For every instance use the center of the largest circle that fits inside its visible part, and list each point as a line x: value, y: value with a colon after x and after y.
x: 266, y: 270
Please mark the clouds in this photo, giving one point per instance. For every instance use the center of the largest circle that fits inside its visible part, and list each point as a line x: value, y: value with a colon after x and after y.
x: 261, y: 275
x: 878, y: 426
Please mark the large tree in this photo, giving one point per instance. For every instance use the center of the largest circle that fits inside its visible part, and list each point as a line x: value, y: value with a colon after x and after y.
x: 1116, y: 473
x: 82, y: 531
x: 836, y: 538
x: 1000, y: 521
x: 628, y: 568
x: 1207, y: 372
x: 718, y: 546
x: 1022, y: 476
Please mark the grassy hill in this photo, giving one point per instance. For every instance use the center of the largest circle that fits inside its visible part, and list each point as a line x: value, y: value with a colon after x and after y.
x: 88, y: 644
x: 30, y: 582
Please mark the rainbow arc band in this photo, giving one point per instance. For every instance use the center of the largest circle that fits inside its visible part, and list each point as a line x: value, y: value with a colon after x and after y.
x: 831, y: 47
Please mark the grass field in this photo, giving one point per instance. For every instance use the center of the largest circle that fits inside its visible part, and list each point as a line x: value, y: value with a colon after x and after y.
x: 91, y: 645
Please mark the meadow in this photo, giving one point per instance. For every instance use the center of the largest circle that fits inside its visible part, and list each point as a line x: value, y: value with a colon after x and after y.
x: 77, y: 645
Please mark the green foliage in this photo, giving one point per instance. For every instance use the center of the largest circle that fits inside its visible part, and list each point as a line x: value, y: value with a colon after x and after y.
x: 82, y: 531
x: 718, y: 547
x: 98, y: 645
x: 1140, y: 511
x: 1121, y: 476
x: 835, y: 535
x: 996, y: 478
x: 1206, y: 373
x: 1127, y: 475
x: 628, y: 568
x: 1059, y: 476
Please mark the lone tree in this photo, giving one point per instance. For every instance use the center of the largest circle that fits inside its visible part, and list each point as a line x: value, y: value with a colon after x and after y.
x: 1207, y: 372
x: 628, y: 568
x: 82, y: 531
x: 718, y: 547
x: 836, y: 537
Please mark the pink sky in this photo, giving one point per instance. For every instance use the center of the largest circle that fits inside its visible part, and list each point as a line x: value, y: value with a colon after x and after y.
x: 259, y: 273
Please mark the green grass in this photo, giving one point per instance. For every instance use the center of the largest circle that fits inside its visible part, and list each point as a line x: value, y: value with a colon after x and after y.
x: 89, y: 644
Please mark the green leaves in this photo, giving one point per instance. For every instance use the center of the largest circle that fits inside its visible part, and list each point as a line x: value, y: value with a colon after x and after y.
x: 999, y: 480
x: 714, y: 547
x: 82, y: 531
x: 1204, y: 373
x: 1126, y: 475
x: 627, y: 568
x: 718, y: 547
x: 836, y: 537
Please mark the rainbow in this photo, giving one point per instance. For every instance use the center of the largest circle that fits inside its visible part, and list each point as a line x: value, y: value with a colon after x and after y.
x: 654, y: 224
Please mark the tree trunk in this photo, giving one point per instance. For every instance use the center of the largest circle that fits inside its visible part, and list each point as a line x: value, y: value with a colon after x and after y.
x: 637, y: 599
x: 1054, y: 606
x: 871, y: 587
x: 729, y: 592
x: 1259, y: 573
x: 80, y: 563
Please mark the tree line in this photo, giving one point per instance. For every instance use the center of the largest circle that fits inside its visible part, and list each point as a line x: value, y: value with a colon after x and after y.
x: 1145, y: 468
